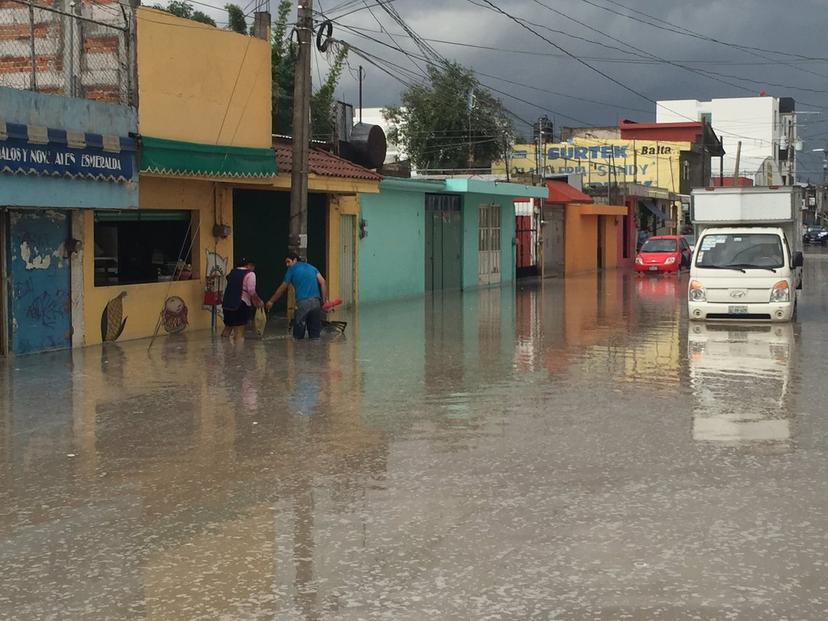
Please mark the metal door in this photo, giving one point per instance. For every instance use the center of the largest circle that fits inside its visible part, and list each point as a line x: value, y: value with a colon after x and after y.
x: 444, y: 242
x: 40, y: 316
x: 488, y: 246
x: 347, y: 226
x: 553, y: 241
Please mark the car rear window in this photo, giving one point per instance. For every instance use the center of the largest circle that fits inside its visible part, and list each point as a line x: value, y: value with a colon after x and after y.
x: 659, y: 245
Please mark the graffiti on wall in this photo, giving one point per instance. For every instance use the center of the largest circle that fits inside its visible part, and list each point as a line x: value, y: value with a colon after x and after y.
x: 174, y: 315
x: 112, y: 318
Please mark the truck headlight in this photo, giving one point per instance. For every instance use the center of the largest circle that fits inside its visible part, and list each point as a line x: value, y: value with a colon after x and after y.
x: 696, y: 292
x: 669, y: 260
x: 780, y: 292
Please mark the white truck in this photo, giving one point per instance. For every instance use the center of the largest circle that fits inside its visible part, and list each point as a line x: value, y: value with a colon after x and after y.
x: 747, y: 263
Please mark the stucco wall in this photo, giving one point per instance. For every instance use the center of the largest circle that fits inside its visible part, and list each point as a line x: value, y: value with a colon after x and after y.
x: 57, y: 112
x: 611, y: 226
x: 392, y: 256
x: 581, y: 241
x: 143, y: 303
x: 471, y: 223
x: 197, y: 83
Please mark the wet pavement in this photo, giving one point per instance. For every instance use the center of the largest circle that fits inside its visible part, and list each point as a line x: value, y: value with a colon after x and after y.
x: 563, y: 450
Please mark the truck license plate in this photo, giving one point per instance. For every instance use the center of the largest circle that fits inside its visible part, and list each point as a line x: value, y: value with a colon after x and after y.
x: 653, y: 268
x: 737, y: 310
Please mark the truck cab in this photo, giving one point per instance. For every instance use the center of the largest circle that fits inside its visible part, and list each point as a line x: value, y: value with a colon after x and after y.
x: 747, y: 263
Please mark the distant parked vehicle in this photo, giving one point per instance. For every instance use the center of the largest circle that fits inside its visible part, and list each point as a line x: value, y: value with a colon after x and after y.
x: 815, y: 235
x: 663, y: 253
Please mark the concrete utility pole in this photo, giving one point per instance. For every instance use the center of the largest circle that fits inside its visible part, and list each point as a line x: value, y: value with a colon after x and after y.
x: 298, y: 241
x: 736, y: 169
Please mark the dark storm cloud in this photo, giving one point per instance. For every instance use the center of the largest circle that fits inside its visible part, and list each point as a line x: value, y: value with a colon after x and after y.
x: 769, y: 25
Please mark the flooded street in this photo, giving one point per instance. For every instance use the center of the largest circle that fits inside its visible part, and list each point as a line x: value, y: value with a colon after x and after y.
x: 564, y: 450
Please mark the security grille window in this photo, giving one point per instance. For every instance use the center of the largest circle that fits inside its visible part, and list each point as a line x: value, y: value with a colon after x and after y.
x: 489, y: 230
x: 142, y: 246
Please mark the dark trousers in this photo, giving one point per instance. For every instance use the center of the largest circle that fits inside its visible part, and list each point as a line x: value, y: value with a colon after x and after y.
x: 308, y: 315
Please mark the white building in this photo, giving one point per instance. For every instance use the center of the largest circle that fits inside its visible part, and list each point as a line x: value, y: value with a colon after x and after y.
x: 766, y: 127
x: 374, y: 116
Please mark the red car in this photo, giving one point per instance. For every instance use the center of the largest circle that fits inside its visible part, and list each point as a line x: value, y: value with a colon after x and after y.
x: 663, y: 253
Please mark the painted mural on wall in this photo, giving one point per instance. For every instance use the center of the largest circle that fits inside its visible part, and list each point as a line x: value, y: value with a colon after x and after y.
x: 174, y: 315
x: 112, y: 318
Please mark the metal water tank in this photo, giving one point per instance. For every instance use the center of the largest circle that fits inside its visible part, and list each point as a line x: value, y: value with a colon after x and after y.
x: 368, y: 145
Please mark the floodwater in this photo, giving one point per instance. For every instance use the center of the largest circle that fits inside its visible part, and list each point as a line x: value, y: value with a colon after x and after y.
x: 561, y: 450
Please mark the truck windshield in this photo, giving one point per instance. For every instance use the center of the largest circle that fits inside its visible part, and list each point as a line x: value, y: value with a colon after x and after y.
x: 741, y: 251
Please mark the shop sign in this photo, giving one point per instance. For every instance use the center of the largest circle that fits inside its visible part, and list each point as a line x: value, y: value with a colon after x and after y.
x: 86, y: 158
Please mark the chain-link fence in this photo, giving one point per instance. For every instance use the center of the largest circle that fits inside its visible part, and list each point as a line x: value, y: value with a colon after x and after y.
x: 61, y: 47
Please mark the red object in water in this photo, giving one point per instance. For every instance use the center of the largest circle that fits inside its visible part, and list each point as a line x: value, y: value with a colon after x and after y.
x: 328, y: 306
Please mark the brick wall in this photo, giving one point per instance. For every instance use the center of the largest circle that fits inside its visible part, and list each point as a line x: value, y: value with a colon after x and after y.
x: 73, y: 57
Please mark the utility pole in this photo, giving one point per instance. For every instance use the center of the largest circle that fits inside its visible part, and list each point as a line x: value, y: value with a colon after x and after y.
x: 736, y: 169
x: 298, y: 240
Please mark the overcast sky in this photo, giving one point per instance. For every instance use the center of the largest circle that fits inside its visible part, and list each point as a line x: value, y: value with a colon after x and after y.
x: 796, y: 27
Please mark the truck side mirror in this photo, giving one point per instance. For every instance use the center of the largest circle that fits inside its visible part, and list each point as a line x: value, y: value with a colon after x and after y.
x: 798, y: 259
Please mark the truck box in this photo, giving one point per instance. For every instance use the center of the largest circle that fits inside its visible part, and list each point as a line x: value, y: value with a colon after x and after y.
x: 751, y: 206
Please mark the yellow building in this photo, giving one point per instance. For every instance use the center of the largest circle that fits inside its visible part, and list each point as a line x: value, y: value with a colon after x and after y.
x: 602, y: 161
x: 211, y: 188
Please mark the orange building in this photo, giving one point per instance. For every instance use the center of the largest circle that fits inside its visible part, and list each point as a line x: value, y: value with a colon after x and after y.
x: 591, y: 231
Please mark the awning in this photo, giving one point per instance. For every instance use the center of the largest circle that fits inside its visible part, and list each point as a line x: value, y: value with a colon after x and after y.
x: 654, y: 209
x: 176, y: 158
x: 48, y: 152
x: 561, y: 193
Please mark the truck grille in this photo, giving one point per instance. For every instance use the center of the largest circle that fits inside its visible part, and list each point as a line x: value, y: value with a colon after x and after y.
x: 741, y: 317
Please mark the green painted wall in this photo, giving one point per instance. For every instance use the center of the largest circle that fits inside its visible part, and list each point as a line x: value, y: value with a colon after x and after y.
x: 392, y: 256
x: 471, y: 221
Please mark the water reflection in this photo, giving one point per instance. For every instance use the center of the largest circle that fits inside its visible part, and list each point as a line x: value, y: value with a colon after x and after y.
x: 741, y: 378
x: 446, y: 447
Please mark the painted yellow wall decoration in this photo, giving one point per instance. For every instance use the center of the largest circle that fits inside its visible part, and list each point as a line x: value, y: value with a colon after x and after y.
x: 112, y: 318
x: 648, y: 162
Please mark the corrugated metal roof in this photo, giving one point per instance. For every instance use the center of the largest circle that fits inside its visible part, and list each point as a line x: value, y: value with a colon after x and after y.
x: 322, y: 163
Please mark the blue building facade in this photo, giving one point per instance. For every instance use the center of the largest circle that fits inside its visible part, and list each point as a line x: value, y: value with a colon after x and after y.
x: 58, y: 155
x: 422, y: 235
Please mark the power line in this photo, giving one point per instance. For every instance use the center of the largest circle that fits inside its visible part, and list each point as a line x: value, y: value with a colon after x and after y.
x: 690, y: 33
x: 604, y: 59
x: 588, y: 65
x: 499, y: 78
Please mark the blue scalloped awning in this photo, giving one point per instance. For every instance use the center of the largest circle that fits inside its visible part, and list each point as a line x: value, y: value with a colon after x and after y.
x: 41, y: 151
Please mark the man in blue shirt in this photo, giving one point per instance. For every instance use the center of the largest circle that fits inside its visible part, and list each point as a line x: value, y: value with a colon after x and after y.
x: 310, y: 290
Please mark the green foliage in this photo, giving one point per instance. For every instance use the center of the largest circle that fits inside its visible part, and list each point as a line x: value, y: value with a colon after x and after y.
x: 236, y: 20
x: 283, y: 61
x: 182, y: 8
x: 322, y: 102
x: 435, y: 126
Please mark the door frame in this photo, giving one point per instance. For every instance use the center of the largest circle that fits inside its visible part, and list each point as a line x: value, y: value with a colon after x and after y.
x: 350, y: 299
x: 4, y: 281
